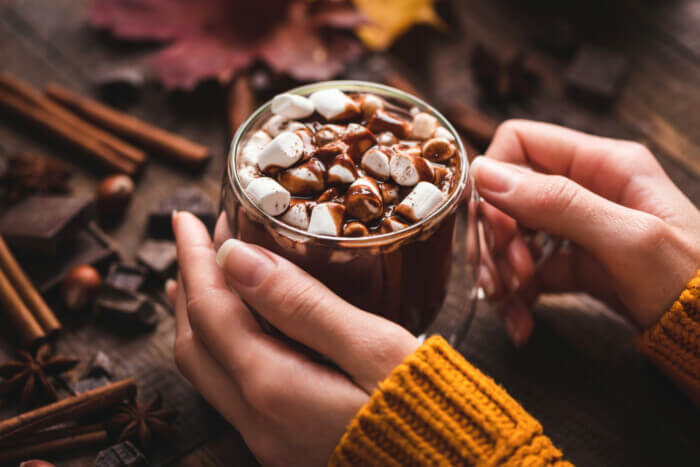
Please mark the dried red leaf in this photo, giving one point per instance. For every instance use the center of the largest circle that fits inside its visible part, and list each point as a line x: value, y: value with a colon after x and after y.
x: 217, y: 38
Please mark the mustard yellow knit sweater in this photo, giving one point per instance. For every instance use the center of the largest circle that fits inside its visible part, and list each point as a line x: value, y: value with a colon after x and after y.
x: 437, y: 409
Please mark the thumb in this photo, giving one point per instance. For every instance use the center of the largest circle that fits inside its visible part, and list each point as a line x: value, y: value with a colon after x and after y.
x: 560, y: 206
x: 364, y: 345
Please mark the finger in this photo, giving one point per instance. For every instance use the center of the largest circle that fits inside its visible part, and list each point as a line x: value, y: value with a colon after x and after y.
x: 489, y: 277
x: 171, y: 291
x: 219, y: 318
x: 559, y: 206
x: 518, y: 256
x: 204, y: 372
x: 364, y: 345
x: 499, y: 228
x: 591, y: 161
x: 518, y: 320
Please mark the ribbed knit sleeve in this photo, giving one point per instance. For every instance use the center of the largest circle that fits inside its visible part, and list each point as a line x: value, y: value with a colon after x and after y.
x: 437, y: 409
x: 673, y: 343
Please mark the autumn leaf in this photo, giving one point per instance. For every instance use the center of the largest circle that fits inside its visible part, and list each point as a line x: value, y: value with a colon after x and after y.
x: 217, y: 38
x: 388, y: 19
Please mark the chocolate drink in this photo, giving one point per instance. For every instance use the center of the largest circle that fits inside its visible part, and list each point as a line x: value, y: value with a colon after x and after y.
x: 360, y: 189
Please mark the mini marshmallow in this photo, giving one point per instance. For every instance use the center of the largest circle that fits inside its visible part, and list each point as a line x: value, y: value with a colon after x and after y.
x: 386, y: 138
x: 370, y: 103
x: 359, y: 139
x: 304, y: 179
x: 255, y: 144
x: 442, y: 132
x: 282, y: 152
x: 376, y: 163
x: 328, y: 133
x: 298, y: 214
x: 438, y: 149
x: 387, y: 121
x: 391, y: 224
x: 390, y: 192
x: 363, y: 200
x: 247, y: 174
x: 424, y: 125
x: 330, y: 194
x: 292, y: 106
x: 278, y: 124
x: 341, y: 171
x: 326, y: 219
x: 334, y: 105
x: 268, y: 195
x: 420, y: 202
x: 409, y: 169
x: 355, y: 229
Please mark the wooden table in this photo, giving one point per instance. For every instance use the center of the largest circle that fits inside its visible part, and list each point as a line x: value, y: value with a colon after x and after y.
x: 599, y: 402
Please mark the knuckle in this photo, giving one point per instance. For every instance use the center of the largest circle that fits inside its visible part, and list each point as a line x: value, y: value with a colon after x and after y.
x: 508, y: 126
x: 262, y: 394
x: 197, y: 309
x: 182, y: 352
x: 651, y: 234
x: 556, y: 195
x: 300, y: 301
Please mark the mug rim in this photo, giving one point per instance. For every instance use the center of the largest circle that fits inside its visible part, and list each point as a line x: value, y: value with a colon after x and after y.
x: 371, y: 240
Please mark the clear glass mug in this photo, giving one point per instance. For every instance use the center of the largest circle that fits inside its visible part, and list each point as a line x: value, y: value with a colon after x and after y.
x: 404, y: 276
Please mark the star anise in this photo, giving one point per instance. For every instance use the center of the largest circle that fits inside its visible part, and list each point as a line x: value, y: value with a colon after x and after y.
x: 141, y: 423
x: 33, y: 375
x: 33, y: 173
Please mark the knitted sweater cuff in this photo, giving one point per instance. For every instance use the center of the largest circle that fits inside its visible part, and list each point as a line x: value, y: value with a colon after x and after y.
x: 673, y: 343
x: 436, y: 408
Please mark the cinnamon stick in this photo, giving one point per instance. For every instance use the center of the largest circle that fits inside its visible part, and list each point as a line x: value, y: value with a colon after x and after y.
x: 28, y: 328
x: 55, y: 446
x: 26, y: 290
x: 67, y: 409
x: 240, y: 102
x: 49, y: 123
x: 27, y: 92
x: 130, y: 127
x: 476, y: 126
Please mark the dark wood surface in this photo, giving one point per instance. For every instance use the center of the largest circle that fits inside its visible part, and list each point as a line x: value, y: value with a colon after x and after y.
x: 599, y: 402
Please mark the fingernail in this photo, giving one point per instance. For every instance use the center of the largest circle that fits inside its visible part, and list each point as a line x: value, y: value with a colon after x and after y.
x: 251, y: 266
x: 486, y: 281
x: 494, y: 177
x: 513, y: 331
x: 170, y: 285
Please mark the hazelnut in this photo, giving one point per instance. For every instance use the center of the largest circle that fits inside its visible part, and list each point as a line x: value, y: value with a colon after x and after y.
x: 80, y: 287
x: 114, y: 194
x: 438, y: 149
x: 355, y: 229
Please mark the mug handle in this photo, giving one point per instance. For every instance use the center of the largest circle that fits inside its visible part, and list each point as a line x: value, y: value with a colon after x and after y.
x: 547, y: 245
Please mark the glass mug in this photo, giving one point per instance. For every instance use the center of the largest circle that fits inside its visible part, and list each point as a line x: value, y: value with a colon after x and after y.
x: 404, y: 275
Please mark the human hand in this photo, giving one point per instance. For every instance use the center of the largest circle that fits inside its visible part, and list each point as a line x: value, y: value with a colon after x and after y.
x: 634, y: 234
x: 289, y: 408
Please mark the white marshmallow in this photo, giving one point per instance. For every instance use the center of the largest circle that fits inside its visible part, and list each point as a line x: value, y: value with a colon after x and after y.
x: 326, y: 219
x: 339, y: 173
x: 423, y: 126
x: 269, y: 195
x: 376, y: 163
x: 255, y: 144
x: 363, y: 200
x: 247, y: 174
x: 391, y: 224
x: 292, y: 106
x: 420, y: 202
x: 408, y: 169
x: 333, y: 104
x: 370, y: 103
x: 442, y: 132
x: 282, y: 152
x: 278, y: 124
x: 297, y: 215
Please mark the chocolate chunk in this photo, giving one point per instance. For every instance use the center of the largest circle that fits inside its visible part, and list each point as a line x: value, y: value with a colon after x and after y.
x: 44, y: 225
x: 91, y: 246
x: 595, y: 76
x: 189, y: 199
x: 121, y: 455
x: 126, y: 277
x: 557, y: 36
x: 99, y: 365
x: 160, y: 257
x: 88, y: 384
x: 126, y: 311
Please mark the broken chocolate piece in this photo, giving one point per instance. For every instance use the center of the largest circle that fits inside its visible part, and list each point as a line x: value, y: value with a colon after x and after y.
x: 44, y: 225
x: 557, y: 36
x: 91, y: 246
x: 595, y: 76
x: 126, y: 277
x: 99, y: 365
x: 121, y: 455
x: 126, y: 311
x: 88, y: 384
x: 189, y: 199
x: 160, y: 257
